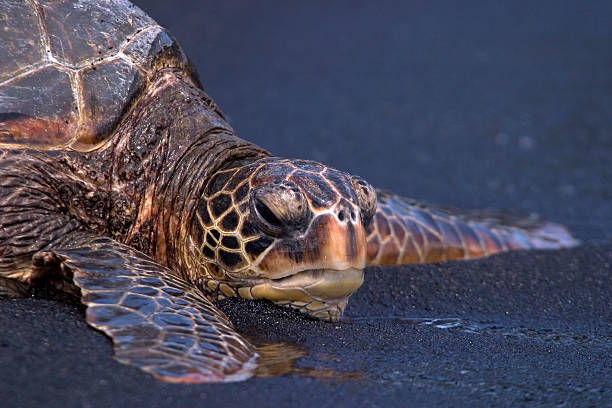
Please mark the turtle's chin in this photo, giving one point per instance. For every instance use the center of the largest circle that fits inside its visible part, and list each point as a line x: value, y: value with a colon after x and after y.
x: 320, y: 293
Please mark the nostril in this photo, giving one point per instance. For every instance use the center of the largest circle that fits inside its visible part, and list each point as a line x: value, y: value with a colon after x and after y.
x: 347, y: 215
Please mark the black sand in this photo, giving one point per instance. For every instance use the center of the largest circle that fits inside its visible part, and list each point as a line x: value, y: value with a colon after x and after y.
x: 486, y: 105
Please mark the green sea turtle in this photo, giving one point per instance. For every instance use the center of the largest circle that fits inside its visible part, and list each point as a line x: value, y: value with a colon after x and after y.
x: 122, y: 184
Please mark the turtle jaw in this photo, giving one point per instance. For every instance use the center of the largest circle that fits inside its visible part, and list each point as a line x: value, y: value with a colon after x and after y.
x: 320, y: 293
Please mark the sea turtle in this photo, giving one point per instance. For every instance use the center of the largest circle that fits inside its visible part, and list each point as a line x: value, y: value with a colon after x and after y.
x: 122, y: 184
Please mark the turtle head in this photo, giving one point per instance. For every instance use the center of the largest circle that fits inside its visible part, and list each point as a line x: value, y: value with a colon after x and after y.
x: 291, y: 231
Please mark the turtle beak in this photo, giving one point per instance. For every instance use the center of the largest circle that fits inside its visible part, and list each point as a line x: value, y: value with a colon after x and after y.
x: 340, y: 244
x: 317, y: 273
x: 329, y: 244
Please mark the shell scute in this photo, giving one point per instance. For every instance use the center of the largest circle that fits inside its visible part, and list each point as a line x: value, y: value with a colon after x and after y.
x: 70, y: 70
x: 38, y: 108
x: 81, y: 30
x: 21, y: 39
x: 108, y: 90
x: 154, y: 49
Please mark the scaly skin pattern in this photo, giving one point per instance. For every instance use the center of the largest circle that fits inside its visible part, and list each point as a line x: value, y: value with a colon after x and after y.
x: 405, y: 231
x: 132, y: 188
x: 159, y: 322
x: 122, y: 184
x: 140, y: 188
x: 291, y: 231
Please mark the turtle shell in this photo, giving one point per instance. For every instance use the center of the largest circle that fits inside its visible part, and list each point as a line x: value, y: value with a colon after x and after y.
x: 70, y: 70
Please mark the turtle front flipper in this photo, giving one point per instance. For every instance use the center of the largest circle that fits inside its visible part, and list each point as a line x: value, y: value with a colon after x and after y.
x: 404, y: 231
x: 158, y: 321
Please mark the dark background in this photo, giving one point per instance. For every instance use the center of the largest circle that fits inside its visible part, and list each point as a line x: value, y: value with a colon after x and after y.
x: 503, y: 105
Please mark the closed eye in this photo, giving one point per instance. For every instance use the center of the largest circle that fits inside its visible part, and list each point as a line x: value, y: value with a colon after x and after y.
x: 266, y: 219
x: 264, y: 212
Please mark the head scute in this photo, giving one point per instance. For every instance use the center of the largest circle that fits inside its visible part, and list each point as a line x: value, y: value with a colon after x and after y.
x: 297, y: 239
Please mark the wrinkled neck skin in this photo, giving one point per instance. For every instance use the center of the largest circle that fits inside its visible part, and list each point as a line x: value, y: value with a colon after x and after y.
x: 174, y: 139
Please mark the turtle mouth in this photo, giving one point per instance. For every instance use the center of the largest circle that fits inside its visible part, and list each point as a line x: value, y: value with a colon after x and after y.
x: 320, y: 284
x: 320, y: 293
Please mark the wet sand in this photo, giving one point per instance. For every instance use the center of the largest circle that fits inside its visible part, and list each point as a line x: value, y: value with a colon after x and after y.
x: 483, y: 106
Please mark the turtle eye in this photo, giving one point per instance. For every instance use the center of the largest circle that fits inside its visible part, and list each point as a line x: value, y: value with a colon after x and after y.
x: 366, y: 197
x: 279, y: 208
x: 267, y: 216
